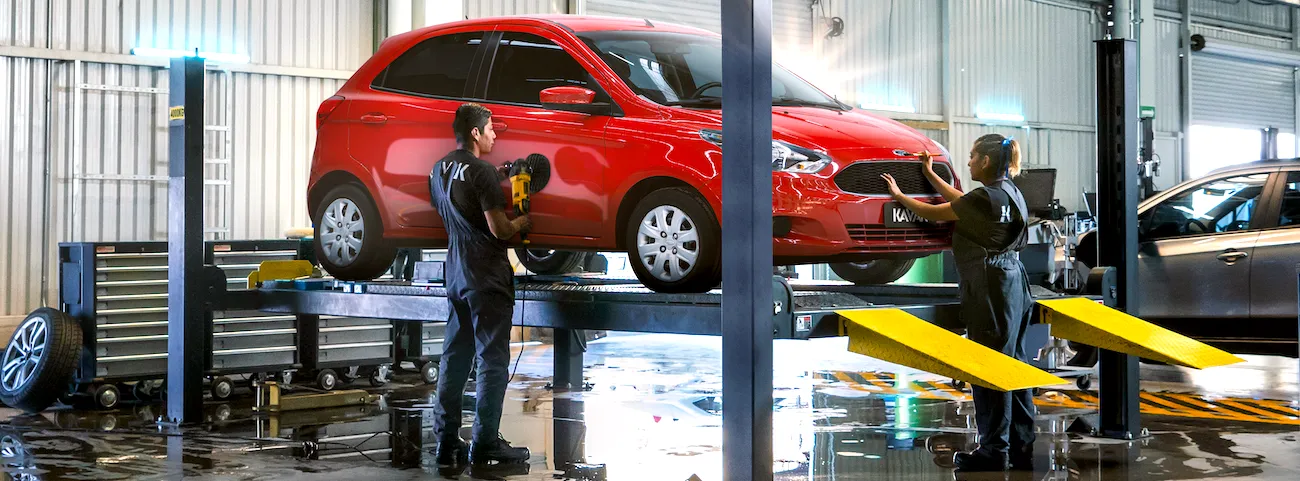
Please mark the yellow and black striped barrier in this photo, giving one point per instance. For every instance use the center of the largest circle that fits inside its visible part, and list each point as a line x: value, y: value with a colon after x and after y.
x: 1153, y: 403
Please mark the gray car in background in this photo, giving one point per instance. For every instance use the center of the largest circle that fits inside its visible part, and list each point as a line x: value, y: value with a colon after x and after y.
x: 1218, y: 255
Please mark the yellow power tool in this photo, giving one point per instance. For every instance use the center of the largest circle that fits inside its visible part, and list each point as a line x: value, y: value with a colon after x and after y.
x: 527, y: 177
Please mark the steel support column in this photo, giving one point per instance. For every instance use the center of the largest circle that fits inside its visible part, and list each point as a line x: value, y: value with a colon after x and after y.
x: 1117, y: 239
x: 567, y: 363
x: 185, y: 280
x: 746, y: 239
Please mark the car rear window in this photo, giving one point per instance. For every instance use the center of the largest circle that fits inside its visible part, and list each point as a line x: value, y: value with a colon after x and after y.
x: 436, y: 67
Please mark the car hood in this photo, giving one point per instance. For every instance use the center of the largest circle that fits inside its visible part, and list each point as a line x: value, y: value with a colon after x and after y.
x: 830, y: 130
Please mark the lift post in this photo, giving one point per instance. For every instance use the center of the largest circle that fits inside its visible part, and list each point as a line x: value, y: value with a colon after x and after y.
x: 1117, y: 239
x: 746, y: 239
x: 186, y: 314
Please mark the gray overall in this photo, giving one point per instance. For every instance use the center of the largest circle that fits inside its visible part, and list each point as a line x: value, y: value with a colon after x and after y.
x: 995, y: 307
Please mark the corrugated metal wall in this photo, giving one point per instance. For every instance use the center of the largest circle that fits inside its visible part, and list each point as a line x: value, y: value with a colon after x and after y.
x: 1168, y: 74
x: 1026, y: 58
x: 890, y: 54
x: 292, y: 33
x: 1244, y: 12
x: 791, y: 20
x: 494, y: 8
x: 1225, y: 96
x: 96, y: 136
x: 23, y: 89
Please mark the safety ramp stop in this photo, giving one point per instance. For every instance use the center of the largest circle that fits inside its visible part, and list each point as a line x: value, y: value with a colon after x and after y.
x: 1088, y: 322
x: 896, y: 336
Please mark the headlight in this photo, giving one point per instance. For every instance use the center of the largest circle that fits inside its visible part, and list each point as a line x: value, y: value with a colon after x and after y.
x: 786, y: 157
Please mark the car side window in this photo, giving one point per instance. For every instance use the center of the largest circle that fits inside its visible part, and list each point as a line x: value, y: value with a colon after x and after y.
x: 437, y: 67
x: 1223, y: 205
x: 526, y: 64
x: 1290, y: 201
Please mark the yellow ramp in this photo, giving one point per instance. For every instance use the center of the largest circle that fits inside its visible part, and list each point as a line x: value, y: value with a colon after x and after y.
x: 1086, y: 321
x: 894, y: 335
x: 279, y: 271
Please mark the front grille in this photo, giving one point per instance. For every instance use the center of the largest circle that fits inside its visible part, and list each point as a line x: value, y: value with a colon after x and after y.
x: 864, y: 177
x: 922, y: 236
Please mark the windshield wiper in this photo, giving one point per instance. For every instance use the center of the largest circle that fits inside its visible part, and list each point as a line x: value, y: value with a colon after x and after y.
x: 792, y: 102
x: 700, y: 102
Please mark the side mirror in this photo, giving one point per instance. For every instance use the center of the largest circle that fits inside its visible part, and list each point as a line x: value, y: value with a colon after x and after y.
x: 574, y: 99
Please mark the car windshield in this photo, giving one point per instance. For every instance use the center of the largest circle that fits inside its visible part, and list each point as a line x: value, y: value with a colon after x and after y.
x: 686, y: 70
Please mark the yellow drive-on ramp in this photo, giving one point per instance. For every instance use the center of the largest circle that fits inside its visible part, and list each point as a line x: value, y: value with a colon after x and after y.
x: 1086, y: 321
x: 895, y: 336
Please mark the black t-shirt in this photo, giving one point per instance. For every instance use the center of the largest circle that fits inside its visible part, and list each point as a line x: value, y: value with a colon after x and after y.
x: 993, y: 224
x: 474, y: 187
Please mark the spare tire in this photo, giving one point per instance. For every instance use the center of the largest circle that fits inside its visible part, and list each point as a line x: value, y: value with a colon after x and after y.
x: 879, y: 271
x: 551, y: 262
x: 39, y: 360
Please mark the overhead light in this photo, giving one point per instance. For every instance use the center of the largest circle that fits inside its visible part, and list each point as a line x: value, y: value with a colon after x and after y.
x: 907, y: 109
x: 176, y: 53
x: 1000, y: 117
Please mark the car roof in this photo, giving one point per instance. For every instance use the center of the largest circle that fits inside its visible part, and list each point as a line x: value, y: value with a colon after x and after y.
x: 573, y: 23
x: 1288, y: 164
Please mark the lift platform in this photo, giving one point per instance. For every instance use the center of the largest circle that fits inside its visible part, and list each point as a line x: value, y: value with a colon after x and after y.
x: 915, y: 325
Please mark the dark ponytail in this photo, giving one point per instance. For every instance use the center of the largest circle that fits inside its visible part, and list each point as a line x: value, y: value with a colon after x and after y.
x: 1003, y: 153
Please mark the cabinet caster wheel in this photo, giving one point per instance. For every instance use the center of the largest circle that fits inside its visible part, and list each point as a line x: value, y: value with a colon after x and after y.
x: 327, y: 379
x: 429, y: 371
x: 380, y: 376
x: 1083, y: 382
x: 107, y: 396
x: 222, y: 387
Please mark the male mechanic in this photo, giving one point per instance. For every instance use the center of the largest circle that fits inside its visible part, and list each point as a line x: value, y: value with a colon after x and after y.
x: 480, y: 290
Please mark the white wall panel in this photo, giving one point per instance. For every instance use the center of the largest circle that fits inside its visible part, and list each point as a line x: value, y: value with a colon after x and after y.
x: 326, y: 34
x: 1245, y: 12
x: 1025, y: 58
x: 496, y: 8
x: 1168, y: 77
x: 890, y: 54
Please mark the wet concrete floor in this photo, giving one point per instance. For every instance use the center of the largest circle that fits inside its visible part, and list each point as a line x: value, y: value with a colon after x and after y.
x: 653, y: 412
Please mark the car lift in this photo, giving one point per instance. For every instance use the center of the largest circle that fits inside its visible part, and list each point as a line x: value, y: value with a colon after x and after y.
x: 888, y: 322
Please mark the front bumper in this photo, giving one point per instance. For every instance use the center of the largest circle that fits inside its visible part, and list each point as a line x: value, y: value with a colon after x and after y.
x: 828, y: 224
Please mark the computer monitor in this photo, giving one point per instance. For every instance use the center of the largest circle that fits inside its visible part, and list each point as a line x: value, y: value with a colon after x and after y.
x: 1090, y: 203
x: 1039, y: 188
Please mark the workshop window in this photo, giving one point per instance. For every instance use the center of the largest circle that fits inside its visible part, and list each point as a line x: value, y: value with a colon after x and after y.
x: 527, y: 64
x: 1290, y: 201
x: 1225, y: 205
x: 437, y: 67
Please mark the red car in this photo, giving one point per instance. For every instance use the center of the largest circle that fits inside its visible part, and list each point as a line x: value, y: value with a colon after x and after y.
x: 629, y: 114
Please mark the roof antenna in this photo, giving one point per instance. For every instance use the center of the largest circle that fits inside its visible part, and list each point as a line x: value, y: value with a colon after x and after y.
x: 648, y: 24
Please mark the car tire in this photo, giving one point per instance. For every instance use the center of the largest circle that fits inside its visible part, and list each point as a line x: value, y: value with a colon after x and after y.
x: 879, y: 271
x: 365, y: 257
x: 551, y: 262
x: 59, y: 340
x: 674, y: 272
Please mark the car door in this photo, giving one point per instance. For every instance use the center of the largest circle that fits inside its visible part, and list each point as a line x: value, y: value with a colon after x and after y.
x: 1195, y: 247
x: 402, y: 126
x: 571, y: 209
x: 1277, y: 254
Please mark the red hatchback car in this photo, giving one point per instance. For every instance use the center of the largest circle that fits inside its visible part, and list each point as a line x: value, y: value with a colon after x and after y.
x: 629, y: 114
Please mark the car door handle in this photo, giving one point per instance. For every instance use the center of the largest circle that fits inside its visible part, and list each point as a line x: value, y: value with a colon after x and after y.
x: 499, y: 126
x: 374, y: 118
x: 1231, y: 257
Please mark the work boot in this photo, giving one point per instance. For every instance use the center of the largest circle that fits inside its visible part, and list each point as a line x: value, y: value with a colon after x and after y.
x: 1021, y: 457
x: 498, y: 450
x: 980, y: 460
x: 452, y: 452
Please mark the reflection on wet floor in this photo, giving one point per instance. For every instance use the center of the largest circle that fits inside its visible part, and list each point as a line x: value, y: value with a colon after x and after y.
x: 654, y: 413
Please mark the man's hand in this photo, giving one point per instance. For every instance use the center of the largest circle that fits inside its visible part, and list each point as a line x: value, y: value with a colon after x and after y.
x: 504, y: 170
x: 523, y: 223
x: 893, y: 186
